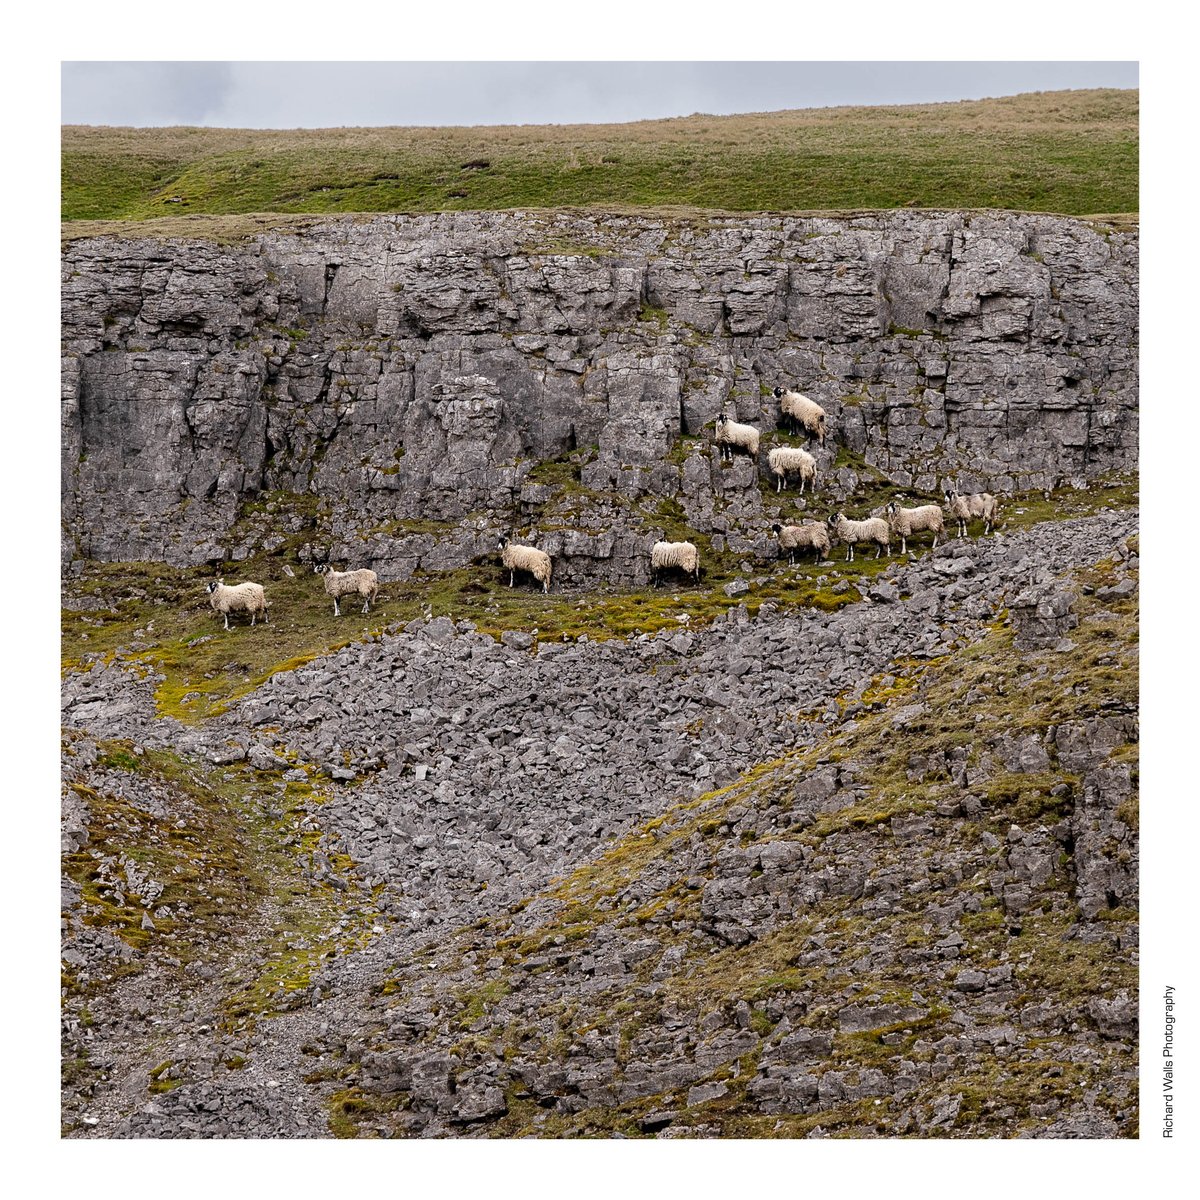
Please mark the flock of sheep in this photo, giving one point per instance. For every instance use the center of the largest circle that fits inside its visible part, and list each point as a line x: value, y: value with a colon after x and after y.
x: 251, y: 597
x: 797, y: 412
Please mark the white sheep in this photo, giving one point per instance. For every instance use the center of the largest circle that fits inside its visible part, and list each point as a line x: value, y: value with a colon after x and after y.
x: 801, y: 412
x: 732, y: 433
x: 241, y: 597
x: 681, y: 555
x: 787, y: 459
x: 362, y: 582
x: 965, y: 508
x: 812, y: 535
x: 909, y: 521
x: 873, y: 529
x: 525, y: 558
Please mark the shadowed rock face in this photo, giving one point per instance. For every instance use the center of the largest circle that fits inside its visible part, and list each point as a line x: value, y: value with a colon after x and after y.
x: 418, y: 368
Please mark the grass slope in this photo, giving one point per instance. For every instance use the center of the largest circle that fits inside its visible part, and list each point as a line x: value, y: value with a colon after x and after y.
x: 233, y: 847
x: 1073, y: 152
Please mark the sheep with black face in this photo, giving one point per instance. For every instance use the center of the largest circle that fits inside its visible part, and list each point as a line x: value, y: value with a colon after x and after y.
x: 525, y: 558
x: 240, y: 597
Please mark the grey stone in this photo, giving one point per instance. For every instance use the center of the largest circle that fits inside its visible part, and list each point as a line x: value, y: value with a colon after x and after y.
x: 970, y: 981
x: 704, y: 1092
x: 858, y: 1018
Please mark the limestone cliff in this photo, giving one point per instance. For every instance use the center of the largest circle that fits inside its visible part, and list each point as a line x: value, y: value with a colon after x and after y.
x: 397, y: 382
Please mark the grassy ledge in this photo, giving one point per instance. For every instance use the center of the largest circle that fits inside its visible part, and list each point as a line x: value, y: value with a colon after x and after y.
x: 158, y: 617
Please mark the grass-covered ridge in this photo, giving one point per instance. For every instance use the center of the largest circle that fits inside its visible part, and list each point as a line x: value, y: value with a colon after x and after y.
x: 1072, y: 152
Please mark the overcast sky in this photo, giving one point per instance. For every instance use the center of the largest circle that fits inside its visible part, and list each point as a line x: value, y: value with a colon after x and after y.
x: 276, y: 95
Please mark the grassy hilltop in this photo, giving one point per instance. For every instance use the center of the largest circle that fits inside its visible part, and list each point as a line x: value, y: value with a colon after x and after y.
x: 1072, y: 152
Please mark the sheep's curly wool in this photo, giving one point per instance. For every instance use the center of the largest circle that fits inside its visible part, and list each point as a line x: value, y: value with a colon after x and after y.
x: 802, y: 412
x: 906, y: 521
x: 681, y: 555
x: 981, y: 505
x: 873, y: 529
x: 362, y: 582
x: 812, y: 535
x: 525, y: 558
x: 785, y: 460
x: 241, y: 597
x: 733, y: 433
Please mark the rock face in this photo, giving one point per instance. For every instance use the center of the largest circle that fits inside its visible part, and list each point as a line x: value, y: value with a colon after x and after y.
x: 401, y: 380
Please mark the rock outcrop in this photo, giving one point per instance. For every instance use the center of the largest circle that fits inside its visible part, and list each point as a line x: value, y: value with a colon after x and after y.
x: 405, y: 386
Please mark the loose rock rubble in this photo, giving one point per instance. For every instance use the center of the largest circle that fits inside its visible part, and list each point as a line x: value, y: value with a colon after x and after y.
x: 736, y: 946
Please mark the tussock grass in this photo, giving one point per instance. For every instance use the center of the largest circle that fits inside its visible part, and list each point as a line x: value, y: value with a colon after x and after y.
x: 1072, y: 152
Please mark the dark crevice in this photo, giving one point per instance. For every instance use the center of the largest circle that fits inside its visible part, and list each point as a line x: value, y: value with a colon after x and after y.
x: 331, y: 270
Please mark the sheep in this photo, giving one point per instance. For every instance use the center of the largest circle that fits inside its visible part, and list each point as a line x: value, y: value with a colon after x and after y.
x: 733, y: 433
x: 812, y: 535
x: 800, y: 411
x: 873, y: 529
x: 683, y: 555
x: 907, y: 521
x: 525, y: 558
x: 785, y: 459
x: 964, y: 508
x: 362, y: 582
x: 241, y: 597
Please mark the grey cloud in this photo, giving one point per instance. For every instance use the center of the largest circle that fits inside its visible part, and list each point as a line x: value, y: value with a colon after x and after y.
x: 144, y: 93
x: 315, y: 94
